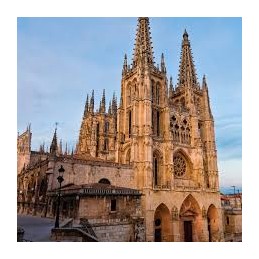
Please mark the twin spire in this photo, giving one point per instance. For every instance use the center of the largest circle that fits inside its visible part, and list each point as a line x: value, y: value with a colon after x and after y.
x: 143, y: 50
x: 143, y: 54
x: 187, y: 73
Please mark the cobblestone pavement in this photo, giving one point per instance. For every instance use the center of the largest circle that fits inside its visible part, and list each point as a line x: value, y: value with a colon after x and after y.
x: 36, y: 229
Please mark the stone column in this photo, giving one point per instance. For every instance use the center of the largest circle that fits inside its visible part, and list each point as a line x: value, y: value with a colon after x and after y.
x: 176, y: 230
x: 204, y: 232
x: 149, y: 226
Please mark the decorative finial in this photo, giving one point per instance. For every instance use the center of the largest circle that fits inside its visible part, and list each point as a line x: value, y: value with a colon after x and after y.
x: 185, y: 34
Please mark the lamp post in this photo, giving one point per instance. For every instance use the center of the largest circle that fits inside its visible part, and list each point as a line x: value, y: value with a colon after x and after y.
x: 60, y: 179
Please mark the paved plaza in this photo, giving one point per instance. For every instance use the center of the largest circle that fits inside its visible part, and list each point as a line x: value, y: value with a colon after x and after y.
x: 36, y: 229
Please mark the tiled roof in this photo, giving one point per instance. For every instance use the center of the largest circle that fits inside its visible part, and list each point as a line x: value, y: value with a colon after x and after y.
x: 98, y: 189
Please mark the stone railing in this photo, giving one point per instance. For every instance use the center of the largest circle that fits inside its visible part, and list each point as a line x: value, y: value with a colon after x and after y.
x: 72, y: 235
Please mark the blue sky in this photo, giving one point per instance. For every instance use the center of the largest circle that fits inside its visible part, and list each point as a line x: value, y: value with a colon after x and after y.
x: 61, y: 59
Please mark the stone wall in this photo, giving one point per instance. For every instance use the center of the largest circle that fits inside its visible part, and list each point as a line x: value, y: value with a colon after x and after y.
x: 117, y: 230
x: 85, y: 172
x: 99, y: 208
x: 114, y: 232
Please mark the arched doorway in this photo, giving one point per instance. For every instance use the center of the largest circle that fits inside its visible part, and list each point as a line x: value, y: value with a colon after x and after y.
x: 190, y: 220
x: 213, y: 223
x: 104, y: 181
x: 162, y: 228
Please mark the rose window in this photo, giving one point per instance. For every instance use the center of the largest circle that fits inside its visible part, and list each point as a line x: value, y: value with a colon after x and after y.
x: 179, y: 166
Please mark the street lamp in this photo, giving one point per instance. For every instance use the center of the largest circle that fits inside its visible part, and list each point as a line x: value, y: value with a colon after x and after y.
x: 60, y: 179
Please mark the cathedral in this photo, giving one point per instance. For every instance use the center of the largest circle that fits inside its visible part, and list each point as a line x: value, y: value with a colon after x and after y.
x: 144, y: 168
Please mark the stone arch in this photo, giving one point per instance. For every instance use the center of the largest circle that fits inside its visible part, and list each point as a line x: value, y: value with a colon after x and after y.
x: 190, y: 217
x: 162, y: 224
x: 125, y: 151
x: 157, y: 168
x: 128, y: 93
x: 213, y: 223
x: 104, y: 181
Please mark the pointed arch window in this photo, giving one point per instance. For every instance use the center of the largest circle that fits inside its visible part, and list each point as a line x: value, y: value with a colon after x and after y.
x: 106, y: 144
x: 106, y: 128
x: 129, y: 95
x: 128, y: 157
x: 156, y: 169
x: 157, y: 123
x: 157, y: 93
x: 97, y: 138
x: 129, y: 123
x: 153, y: 90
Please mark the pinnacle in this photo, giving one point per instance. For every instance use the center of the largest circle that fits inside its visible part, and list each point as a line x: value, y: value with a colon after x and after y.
x: 185, y: 34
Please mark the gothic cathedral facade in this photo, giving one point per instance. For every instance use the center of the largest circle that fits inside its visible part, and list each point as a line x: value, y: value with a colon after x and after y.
x: 162, y: 136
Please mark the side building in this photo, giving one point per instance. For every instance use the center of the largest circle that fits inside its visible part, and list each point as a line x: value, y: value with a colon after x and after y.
x: 146, y: 168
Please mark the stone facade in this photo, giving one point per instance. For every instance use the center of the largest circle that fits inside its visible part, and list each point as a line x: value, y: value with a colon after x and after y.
x: 158, y: 143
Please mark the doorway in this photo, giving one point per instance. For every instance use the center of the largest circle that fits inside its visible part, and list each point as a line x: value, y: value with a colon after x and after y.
x: 162, y: 224
x: 158, y: 237
x: 188, y: 231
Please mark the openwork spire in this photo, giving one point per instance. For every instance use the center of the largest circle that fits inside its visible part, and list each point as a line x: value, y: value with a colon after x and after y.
x: 91, y: 107
x: 54, y: 144
x: 103, y: 103
x: 187, y: 73
x: 143, y: 46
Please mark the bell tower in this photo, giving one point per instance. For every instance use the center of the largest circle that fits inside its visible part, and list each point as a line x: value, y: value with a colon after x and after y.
x: 143, y: 114
x: 192, y: 124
